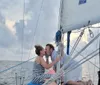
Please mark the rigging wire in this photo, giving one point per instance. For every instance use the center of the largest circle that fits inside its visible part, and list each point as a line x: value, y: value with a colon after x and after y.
x: 97, y: 45
x: 80, y: 51
x: 59, y: 73
x: 7, y: 69
x: 83, y: 49
x: 22, y: 46
x: 36, y: 27
x: 88, y: 61
x: 77, y: 42
x: 82, y: 59
x: 83, y: 62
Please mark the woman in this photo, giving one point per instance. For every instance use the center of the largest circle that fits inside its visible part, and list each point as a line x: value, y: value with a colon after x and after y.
x: 40, y: 65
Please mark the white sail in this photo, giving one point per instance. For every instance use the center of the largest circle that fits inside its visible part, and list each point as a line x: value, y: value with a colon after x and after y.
x: 76, y: 14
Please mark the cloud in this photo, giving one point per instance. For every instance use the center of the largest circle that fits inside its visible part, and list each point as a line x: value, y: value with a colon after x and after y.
x: 6, y: 37
x: 12, y: 9
x: 19, y: 29
x: 43, y: 22
x: 47, y: 21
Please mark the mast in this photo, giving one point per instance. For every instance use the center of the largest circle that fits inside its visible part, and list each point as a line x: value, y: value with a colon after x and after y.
x: 59, y: 38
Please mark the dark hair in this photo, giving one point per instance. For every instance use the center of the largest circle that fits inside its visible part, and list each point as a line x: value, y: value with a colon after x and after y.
x: 51, y: 46
x: 38, y: 48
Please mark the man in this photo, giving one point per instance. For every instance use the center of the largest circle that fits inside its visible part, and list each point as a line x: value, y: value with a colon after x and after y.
x: 70, y: 78
x: 50, y: 51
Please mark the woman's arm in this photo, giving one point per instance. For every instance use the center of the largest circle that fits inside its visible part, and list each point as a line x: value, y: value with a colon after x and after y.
x: 47, y: 66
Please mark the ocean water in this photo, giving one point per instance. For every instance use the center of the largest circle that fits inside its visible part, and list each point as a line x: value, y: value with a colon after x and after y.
x: 10, y: 77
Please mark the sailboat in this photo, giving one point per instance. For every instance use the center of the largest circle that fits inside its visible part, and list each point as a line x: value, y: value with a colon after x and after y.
x: 73, y: 15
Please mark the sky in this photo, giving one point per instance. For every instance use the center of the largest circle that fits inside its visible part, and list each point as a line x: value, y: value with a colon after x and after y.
x: 41, y: 21
x: 17, y: 39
